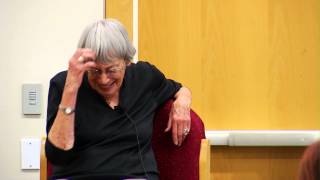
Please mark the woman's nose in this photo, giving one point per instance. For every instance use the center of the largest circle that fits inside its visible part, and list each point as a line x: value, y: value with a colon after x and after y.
x: 104, y: 78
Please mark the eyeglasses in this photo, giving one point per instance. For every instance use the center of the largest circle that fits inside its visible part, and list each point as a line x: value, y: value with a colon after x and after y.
x: 111, y: 72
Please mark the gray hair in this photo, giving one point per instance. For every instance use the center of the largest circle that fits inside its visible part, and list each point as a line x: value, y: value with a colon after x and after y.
x: 109, y: 39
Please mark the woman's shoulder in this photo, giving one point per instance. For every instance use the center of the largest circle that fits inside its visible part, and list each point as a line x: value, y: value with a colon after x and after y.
x: 142, y: 66
x: 60, y: 77
x: 140, y: 71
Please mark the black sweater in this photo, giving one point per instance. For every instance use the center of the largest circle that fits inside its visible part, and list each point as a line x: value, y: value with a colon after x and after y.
x: 105, y: 138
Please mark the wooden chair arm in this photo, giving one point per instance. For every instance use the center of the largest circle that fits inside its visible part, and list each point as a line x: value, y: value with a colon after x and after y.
x: 43, y: 160
x: 204, y: 160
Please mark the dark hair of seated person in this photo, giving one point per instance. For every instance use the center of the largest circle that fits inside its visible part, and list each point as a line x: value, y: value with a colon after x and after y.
x: 310, y: 163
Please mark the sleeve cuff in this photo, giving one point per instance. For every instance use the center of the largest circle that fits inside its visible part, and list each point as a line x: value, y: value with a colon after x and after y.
x: 56, y: 155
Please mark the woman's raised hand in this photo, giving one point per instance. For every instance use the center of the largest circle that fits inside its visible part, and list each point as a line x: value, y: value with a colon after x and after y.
x: 81, y: 61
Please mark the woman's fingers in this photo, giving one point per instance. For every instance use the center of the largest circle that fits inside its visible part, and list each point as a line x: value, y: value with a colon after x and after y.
x: 180, y: 120
x: 81, y: 61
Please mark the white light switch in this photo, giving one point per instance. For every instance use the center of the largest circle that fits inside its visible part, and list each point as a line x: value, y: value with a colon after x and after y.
x: 30, y: 153
x: 31, y: 98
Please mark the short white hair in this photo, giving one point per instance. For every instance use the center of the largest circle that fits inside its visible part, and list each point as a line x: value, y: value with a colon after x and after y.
x: 109, y: 39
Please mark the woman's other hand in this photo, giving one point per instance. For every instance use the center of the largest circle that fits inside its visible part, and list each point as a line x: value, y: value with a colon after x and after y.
x: 179, y: 118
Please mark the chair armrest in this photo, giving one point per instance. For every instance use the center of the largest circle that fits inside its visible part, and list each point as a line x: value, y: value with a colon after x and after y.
x: 204, y: 160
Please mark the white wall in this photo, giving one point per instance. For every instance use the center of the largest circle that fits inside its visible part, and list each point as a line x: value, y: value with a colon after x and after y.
x: 37, y: 37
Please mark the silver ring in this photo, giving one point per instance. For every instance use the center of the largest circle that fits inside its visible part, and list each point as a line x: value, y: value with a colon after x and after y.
x: 186, y: 131
x: 81, y: 59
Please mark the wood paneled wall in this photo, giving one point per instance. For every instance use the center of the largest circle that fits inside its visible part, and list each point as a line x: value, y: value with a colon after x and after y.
x: 121, y: 10
x: 250, y: 64
x: 255, y: 163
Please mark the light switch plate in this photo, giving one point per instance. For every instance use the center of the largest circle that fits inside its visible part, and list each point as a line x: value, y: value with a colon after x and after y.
x: 30, y: 153
x: 31, y: 99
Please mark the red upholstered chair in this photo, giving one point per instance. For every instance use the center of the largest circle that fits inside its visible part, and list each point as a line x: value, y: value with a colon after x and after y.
x: 177, y: 162
x: 190, y: 161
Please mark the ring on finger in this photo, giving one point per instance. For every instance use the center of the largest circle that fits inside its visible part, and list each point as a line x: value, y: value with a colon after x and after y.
x: 186, y: 131
x: 81, y: 59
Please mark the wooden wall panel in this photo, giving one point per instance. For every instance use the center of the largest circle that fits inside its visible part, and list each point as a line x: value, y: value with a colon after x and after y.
x: 121, y: 10
x: 250, y: 64
x: 255, y: 163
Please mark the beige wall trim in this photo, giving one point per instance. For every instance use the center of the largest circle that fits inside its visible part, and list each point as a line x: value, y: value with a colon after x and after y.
x: 263, y: 137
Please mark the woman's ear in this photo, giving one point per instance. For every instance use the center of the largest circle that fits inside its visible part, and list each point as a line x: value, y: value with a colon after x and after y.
x: 128, y: 63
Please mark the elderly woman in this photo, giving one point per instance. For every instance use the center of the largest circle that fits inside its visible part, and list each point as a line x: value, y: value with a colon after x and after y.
x: 100, y: 111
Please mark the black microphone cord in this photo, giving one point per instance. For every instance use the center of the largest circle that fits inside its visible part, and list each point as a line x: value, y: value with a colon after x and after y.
x: 138, y: 143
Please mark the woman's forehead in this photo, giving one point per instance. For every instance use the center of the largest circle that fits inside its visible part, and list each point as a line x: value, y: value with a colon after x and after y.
x: 116, y: 62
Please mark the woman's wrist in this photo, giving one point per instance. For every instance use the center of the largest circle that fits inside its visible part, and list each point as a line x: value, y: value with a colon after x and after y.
x: 183, y: 97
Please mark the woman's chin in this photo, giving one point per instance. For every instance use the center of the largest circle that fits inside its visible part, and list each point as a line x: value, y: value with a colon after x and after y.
x: 108, y: 92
